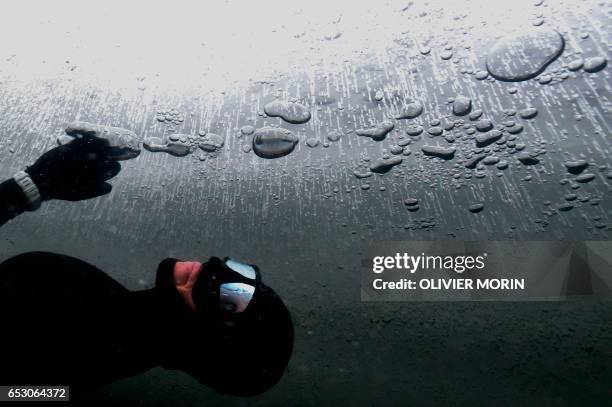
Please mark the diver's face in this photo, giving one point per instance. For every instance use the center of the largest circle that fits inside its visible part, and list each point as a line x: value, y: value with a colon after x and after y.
x: 185, y: 275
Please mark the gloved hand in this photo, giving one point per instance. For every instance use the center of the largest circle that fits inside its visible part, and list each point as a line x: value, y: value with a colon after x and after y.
x: 75, y: 171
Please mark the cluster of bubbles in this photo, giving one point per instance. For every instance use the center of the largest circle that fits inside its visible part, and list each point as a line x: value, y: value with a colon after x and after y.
x: 170, y: 116
x: 482, y: 142
x: 274, y: 142
x: 180, y: 145
x: 267, y: 141
x: 466, y: 137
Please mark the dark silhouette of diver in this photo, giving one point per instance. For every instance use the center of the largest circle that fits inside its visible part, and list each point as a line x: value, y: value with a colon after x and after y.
x: 65, y: 322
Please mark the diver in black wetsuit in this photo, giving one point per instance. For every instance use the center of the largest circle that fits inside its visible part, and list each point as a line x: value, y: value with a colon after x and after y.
x: 65, y: 322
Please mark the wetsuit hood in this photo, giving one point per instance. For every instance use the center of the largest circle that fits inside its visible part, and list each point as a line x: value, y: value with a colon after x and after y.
x: 241, y: 358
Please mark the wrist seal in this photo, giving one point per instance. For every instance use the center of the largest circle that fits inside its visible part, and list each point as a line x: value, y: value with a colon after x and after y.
x: 29, y: 189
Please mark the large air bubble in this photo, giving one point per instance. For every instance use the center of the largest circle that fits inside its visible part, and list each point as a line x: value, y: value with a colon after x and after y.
x: 273, y: 142
x: 524, y: 54
x: 291, y: 112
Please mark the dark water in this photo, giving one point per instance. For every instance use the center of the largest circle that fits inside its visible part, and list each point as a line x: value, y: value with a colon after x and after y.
x: 303, y: 217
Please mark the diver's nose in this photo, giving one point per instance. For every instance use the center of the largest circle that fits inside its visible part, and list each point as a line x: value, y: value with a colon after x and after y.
x: 185, y: 272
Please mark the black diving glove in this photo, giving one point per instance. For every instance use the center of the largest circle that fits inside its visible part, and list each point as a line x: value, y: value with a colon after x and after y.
x: 75, y: 171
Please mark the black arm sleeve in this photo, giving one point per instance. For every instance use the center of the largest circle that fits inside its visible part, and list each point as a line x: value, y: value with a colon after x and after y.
x: 12, y: 201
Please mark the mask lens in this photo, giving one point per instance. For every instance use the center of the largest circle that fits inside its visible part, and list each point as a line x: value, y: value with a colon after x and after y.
x: 246, y: 270
x: 234, y: 297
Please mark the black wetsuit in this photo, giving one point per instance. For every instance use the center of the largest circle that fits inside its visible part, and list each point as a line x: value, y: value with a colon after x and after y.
x: 65, y: 322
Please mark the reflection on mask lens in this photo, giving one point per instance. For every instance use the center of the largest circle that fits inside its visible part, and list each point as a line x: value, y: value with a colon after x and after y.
x: 246, y: 270
x: 234, y: 297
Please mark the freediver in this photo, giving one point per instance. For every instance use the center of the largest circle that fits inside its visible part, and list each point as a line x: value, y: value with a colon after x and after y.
x: 65, y: 322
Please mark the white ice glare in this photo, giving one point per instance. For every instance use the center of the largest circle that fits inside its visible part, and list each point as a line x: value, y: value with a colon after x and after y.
x: 245, y: 270
x: 216, y: 44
